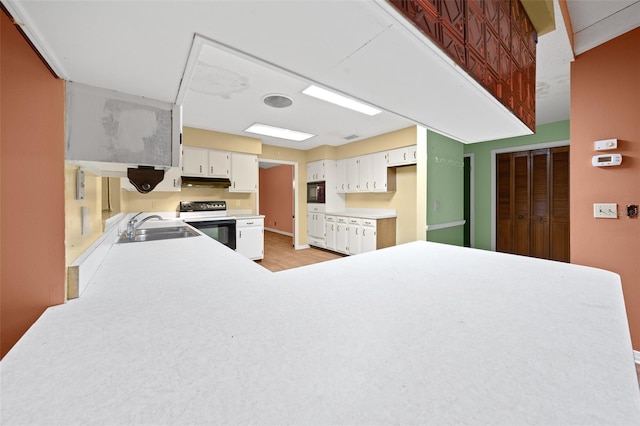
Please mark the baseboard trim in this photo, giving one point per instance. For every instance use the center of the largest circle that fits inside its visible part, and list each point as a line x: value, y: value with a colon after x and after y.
x: 277, y: 231
x: 636, y: 356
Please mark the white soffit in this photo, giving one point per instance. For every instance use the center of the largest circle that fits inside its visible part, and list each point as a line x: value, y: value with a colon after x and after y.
x: 553, y: 63
x: 596, y: 22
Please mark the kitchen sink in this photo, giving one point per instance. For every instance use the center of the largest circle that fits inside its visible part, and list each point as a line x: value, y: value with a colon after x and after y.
x: 155, y: 234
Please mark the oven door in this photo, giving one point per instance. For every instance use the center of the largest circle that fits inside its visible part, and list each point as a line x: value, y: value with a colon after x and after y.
x: 223, y: 230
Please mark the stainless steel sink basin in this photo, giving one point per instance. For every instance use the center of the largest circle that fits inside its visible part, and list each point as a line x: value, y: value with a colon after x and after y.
x: 154, y: 234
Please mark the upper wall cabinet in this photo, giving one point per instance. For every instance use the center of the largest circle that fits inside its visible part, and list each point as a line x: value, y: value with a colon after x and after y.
x: 316, y: 171
x: 244, y: 172
x: 105, y: 126
x: 202, y: 162
x: 402, y: 156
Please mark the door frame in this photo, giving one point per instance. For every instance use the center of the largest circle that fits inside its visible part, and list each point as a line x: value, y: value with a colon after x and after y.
x: 494, y: 153
x: 296, y: 234
x: 472, y: 196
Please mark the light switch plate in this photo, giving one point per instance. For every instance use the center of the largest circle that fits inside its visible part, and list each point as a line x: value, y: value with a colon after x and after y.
x: 605, y: 210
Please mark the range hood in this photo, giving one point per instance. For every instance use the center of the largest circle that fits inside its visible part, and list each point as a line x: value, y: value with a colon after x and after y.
x: 203, y: 182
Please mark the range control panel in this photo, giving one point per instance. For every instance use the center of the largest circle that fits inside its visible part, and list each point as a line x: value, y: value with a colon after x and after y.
x: 202, y: 206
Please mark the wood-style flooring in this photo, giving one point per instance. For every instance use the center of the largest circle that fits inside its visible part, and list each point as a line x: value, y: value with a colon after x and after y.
x: 279, y: 253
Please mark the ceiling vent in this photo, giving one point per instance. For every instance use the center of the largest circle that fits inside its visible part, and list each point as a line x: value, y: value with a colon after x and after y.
x: 277, y: 101
x: 348, y: 138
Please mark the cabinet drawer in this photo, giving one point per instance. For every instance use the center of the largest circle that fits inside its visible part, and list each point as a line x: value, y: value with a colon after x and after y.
x: 248, y: 223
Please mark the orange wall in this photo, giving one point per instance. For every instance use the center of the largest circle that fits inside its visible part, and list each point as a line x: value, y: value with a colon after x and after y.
x: 276, y: 197
x: 32, y: 183
x: 605, y: 103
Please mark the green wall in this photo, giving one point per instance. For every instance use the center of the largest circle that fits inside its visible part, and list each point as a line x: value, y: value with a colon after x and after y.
x: 445, y: 180
x: 552, y: 132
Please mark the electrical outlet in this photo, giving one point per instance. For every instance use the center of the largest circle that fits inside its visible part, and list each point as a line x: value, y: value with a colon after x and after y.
x: 605, y: 211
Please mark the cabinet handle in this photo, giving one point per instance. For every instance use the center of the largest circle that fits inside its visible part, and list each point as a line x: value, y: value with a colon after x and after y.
x: 249, y: 223
x: 174, y: 183
x: 240, y: 234
x: 364, y: 232
x: 211, y: 168
x: 404, y: 155
x: 200, y: 169
x: 234, y: 184
x: 356, y: 231
x: 367, y: 185
x: 374, y: 185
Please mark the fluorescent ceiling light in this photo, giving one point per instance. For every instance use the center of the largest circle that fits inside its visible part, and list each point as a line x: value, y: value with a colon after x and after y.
x: 278, y: 132
x: 343, y: 101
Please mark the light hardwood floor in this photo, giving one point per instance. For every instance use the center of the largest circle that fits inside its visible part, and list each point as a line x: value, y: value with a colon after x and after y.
x: 279, y: 253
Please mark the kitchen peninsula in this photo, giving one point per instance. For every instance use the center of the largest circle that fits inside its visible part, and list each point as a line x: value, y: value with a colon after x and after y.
x: 187, y: 331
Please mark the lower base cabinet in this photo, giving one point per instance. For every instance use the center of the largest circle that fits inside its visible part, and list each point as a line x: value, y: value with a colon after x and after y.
x: 351, y: 235
x: 250, y: 238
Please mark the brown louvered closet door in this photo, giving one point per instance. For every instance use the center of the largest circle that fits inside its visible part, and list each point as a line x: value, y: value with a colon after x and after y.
x: 559, y: 217
x: 532, y: 203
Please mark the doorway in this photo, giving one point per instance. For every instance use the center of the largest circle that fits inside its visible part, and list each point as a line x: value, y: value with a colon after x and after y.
x: 278, y: 199
x: 469, y: 199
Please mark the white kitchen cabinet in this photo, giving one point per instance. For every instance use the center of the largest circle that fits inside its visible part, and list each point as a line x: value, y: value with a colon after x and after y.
x: 250, y: 238
x: 316, y: 229
x: 202, y: 162
x: 172, y: 182
x: 219, y: 164
x: 402, y: 156
x: 368, y: 235
x: 355, y: 235
x: 194, y: 161
x: 330, y: 232
x: 383, y: 178
x: 316, y: 171
x: 244, y: 172
x: 342, y: 235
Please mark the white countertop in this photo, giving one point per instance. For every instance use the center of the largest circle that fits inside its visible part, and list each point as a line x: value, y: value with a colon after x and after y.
x: 189, y: 332
x: 365, y: 213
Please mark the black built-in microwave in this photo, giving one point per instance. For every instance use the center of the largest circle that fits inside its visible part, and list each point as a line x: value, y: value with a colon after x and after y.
x: 315, y: 192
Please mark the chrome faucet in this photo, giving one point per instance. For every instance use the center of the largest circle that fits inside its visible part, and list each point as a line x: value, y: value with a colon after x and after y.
x: 131, y: 225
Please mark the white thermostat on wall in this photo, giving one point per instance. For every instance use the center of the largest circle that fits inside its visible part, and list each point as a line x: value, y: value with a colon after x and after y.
x: 605, y: 144
x: 606, y: 160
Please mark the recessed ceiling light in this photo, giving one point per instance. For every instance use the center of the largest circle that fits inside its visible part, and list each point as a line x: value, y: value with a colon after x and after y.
x: 343, y: 101
x: 278, y: 132
x: 277, y: 101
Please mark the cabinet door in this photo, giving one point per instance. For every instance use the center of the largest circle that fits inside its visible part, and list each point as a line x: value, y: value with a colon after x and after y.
x: 379, y: 172
x: 412, y: 154
x: 219, y: 164
x: 341, y: 176
x: 194, y: 161
x: 341, y: 235
x: 368, y: 238
x: 398, y: 157
x: 244, y: 172
x: 250, y: 239
x: 330, y: 232
x: 364, y: 173
x: 352, y: 174
x: 355, y: 235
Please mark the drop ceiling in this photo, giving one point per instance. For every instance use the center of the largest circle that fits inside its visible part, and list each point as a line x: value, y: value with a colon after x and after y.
x: 220, y: 58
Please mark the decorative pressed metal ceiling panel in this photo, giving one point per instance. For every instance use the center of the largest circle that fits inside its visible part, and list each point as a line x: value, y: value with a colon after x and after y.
x: 492, y: 40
